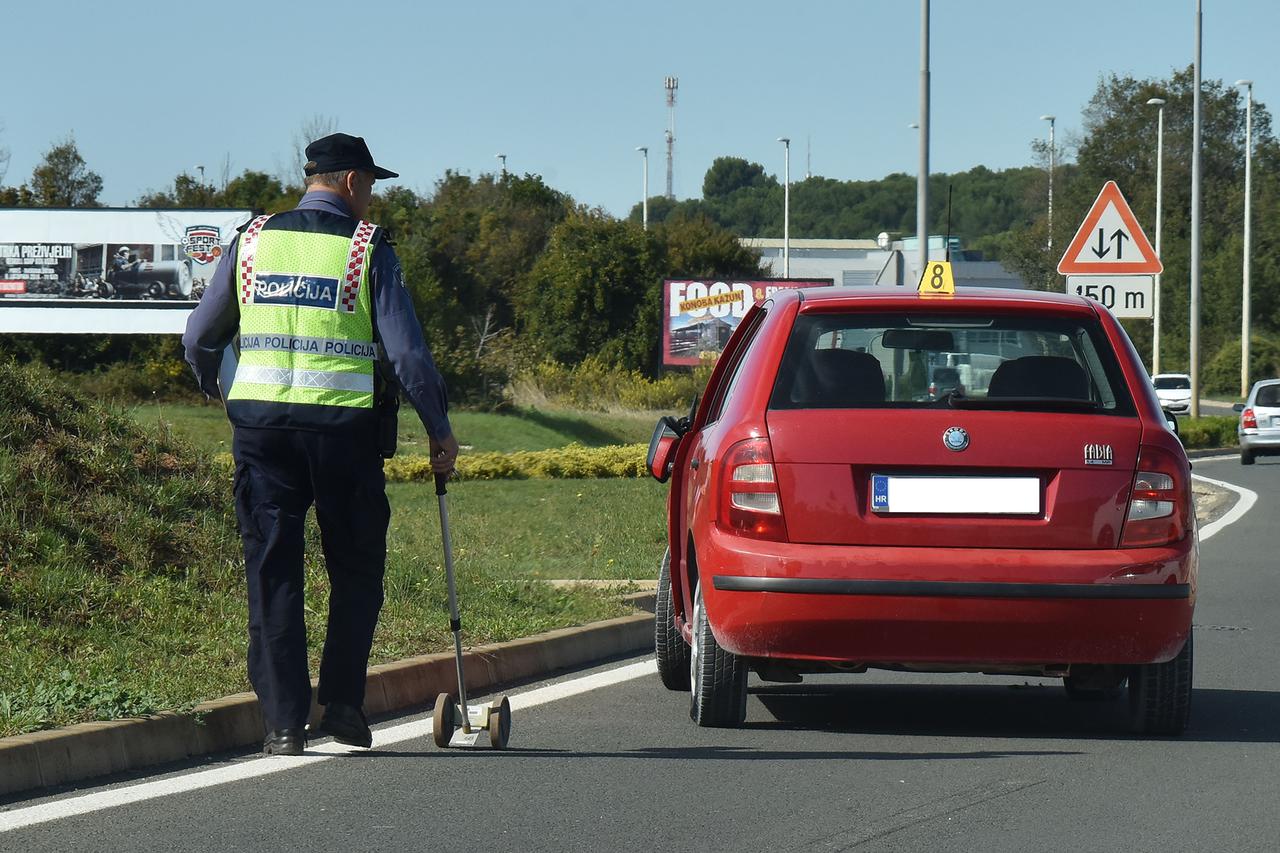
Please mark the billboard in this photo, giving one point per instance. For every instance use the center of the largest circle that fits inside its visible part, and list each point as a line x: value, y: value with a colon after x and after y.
x: 701, y: 315
x: 108, y: 270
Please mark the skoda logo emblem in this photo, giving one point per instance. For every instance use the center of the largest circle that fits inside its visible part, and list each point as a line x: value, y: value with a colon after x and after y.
x: 955, y: 439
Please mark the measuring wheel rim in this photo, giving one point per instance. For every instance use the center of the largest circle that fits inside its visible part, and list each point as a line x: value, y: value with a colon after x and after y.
x: 500, y: 723
x: 442, y: 723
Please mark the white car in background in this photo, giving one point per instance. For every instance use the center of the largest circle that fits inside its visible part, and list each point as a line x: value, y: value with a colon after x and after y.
x: 1173, y: 391
x: 1259, y: 428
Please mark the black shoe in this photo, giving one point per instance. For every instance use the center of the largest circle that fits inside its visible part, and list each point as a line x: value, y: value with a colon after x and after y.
x: 285, y: 742
x: 347, y: 725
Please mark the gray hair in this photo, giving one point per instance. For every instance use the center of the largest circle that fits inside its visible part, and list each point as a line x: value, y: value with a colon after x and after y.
x: 336, y: 180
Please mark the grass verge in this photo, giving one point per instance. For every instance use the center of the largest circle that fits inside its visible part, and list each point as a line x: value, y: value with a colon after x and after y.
x: 484, y: 432
x: 121, y: 590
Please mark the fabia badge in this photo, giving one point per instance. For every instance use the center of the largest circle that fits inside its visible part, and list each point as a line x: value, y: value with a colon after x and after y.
x: 955, y: 439
x: 1097, y: 454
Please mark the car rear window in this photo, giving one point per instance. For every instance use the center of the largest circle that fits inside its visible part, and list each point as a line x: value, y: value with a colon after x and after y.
x: 1268, y: 395
x: 1172, y: 383
x: 1010, y: 362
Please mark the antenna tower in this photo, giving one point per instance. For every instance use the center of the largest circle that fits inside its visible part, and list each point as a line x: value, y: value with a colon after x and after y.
x: 671, y: 84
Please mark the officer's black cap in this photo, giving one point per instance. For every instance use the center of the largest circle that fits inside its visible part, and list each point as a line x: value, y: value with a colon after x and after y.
x: 339, y: 152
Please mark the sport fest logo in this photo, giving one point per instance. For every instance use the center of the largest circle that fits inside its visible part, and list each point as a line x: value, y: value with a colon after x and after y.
x: 201, y: 243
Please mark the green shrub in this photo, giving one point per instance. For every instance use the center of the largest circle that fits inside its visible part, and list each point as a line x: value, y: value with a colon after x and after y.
x: 1216, y: 431
x: 573, y: 462
x: 1222, y: 373
x: 597, y: 385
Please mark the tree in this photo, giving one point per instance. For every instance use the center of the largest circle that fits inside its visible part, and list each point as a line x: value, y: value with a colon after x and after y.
x: 596, y: 290
x: 729, y: 174
x: 62, y: 179
x: 1119, y: 144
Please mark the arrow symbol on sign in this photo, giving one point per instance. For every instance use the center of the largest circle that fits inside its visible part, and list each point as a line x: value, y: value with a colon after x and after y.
x: 1119, y: 236
x: 1102, y: 249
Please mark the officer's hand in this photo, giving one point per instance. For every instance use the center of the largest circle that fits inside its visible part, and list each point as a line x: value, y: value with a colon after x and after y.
x: 444, y: 453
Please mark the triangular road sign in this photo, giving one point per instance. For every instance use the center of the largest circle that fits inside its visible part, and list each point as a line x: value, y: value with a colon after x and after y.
x: 1110, y: 241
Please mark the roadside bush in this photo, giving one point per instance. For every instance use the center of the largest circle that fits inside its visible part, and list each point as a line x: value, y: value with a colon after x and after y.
x: 597, y: 385
x: 1216, y: 431
x: 1222, y: 373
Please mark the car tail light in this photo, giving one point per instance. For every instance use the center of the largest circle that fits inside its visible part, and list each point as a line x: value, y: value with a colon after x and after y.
x: 749, y: 500
x: 1160, y: 502
x: 1248, y: 420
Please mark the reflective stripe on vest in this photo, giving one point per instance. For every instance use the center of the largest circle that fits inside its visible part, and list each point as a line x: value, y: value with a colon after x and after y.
x: 306, y: 315
x: 328, y: 380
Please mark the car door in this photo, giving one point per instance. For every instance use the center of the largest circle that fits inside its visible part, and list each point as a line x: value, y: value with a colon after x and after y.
x: 688, y: 478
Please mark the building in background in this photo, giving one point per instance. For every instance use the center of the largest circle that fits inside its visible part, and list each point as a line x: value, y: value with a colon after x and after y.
x: 882, y: 262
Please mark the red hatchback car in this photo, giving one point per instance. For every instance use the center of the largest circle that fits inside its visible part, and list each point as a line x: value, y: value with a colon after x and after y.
x: 827, y: 513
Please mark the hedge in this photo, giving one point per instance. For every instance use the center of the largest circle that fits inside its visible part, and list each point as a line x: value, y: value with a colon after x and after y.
x: 572, y: 462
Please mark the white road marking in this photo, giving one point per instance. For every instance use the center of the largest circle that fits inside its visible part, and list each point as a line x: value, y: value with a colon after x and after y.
x: 267, y: 765
x: 1247, y: 499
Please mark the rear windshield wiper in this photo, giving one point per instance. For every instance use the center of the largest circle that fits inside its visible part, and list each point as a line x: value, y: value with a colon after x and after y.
x: 1072, y: 404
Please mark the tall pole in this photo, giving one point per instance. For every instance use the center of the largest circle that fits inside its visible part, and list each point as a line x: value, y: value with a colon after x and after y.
x: 1155, y: 306
x: 1196, y: 131
x: 671, y: 84
x: 786, y: 207
x: 922, y: 179
x: 644, y: 215
x: 502, y: 158
x: 1248, y: 193
x: 1052, y: 163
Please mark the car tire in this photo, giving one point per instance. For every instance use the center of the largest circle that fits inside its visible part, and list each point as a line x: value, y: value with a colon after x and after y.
x: 718, y: 679
x: 1160, y: 694
x: 672, y: 651
x: 1246, y: 457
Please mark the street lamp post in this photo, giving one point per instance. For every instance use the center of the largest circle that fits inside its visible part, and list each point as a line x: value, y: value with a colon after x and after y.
x: 1155, y: 307
x: 1052, y: 163
x: 200, y: 169
x: 1197, y: 132
x: 786, y: 207
x: 1244, y: 296
x: 922, y: 175
x: 644, y: 199
x: 502, y: 158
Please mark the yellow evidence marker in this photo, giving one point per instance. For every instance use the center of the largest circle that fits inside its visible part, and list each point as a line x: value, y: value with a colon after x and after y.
x: 937, y: 280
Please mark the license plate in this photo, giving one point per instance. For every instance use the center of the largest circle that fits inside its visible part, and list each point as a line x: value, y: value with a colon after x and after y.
x: 955, y: 495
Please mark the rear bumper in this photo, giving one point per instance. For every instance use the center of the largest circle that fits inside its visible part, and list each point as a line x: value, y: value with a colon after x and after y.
x: 947, y: 605
x: 1260, y: 442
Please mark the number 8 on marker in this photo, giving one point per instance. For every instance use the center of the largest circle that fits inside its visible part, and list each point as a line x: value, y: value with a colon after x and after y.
x: 937, y: 280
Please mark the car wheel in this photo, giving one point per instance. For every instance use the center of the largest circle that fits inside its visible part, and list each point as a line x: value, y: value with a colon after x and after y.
x: 1246, y: 457
x: 672, y: 651
x: 1160, y: 695
x: 718, y: 679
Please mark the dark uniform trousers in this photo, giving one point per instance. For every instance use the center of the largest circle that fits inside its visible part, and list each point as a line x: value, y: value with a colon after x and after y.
x: 279, y: 474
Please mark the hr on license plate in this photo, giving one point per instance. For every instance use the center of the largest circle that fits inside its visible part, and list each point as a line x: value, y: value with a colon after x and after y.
x: 955, y: 495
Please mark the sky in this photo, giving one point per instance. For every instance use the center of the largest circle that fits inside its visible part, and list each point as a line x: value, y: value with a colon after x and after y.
x: 568, y: 89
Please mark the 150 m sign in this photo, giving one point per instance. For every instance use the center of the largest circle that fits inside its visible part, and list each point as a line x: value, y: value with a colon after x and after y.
x: 1127, y: 296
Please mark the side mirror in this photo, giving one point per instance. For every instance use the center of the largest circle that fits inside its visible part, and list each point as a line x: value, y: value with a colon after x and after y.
x: 1172, y: 420
x: 1238, y: 407
x: 662, y: 449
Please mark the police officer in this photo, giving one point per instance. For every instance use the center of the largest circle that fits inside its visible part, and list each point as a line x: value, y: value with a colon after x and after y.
x: 316, y: 298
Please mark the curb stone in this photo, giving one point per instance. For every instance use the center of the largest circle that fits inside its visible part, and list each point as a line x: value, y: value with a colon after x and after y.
x: 88, y: 750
